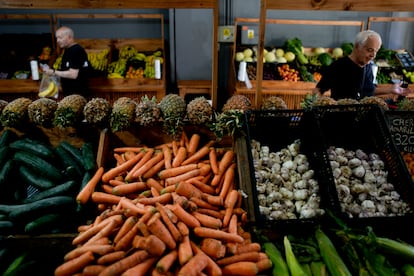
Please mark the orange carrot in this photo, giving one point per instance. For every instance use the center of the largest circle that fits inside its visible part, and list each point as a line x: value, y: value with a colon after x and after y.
x: 154, y: 192
x: 168, y: 189
x: 185, y: 253
x: 86, y: 192
x: 125, y: 228
x: 228, y: 181
x: 129, y: 155
x: 164, y: 199
x: 107, y: 230
x: 115, y: 171
x: 151, y: 182
x: 207, y: 221
x: 126, y: 263
x: 183, y: 139
x: 246, y: 257
x: 119, y: 159
x: 206, y: 232
x: 175, y: 145
x: 86, y: 235
x: 182, y: 177
x: 116, y: 182
x: 211, y: 212
x: 155, y: 158
x: 194, y: 266
x: 233, y: 224
x: 158, y: 228
x: 198, y: 155
x: 184, y: 216
x: 154, y: 170
x: 92, y: 270
x: 213, y: 248
x: 205, y: 188
x: 126, y: 149
x: 106, y: 188
x: 188, y: 190
x: 212, y: 156
x: 241, y: 268
x: 110, y: 258
x: 205, y: 169
x: 246, y: 247
x: 193, y: 144
x: 168, y: 156
x: 179, y: 157
x: 141, y: 268
x: 125, y: 242
x: 229, y: 204
x: 167, y: 221
x: 264, y: 264
x: 183, y: 228
x: 152, y: 244
x: 145, y: 155
x: 129, y: 188
x: 212, y: 268
x: 75, y: 265
x: 174, y: 171
x: 224, y: 163
x: 213, y: 200
x: 165, y: 263
x: 201, y: 203
x: 100, y: 249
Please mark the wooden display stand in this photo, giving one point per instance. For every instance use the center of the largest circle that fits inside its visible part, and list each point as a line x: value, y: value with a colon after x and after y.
x: 292, y: 93
x: 197, y: 87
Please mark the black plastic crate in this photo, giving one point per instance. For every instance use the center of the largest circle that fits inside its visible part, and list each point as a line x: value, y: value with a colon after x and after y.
x: 278, y: 129
x: 365, y: 127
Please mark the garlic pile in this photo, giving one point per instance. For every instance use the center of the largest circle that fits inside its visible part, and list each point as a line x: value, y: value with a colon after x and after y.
x: 362, y: 184
x: 285, y: 184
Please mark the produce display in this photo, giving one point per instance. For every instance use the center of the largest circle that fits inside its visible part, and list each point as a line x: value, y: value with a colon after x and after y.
x: 293, y: 62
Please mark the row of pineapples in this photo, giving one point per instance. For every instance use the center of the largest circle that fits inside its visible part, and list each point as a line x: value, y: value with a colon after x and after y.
x: 172, y: 111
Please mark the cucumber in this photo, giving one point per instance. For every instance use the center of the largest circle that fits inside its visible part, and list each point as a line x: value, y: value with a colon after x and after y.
x: 31, y: 177
x: 67, y: 188
x: 4, y: 154
x: 6, y: 137
x: 68, y: 160
x: 40, y: 165
x: 41, y: 207
x: 43, y: 223
x: 6, y: 177
x: 15, y: 265
x: 74, y: 151
x: 88, y: 155
x: 6, y: 227
x: 34, y: 147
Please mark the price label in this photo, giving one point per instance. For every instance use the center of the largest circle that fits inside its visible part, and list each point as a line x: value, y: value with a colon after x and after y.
x: 401, y: 125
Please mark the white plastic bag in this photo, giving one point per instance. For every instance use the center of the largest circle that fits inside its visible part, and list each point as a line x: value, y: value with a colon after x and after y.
x: 49, y: 86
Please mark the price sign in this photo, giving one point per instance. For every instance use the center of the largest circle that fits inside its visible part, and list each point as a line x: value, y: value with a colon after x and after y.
x: 401, y: 125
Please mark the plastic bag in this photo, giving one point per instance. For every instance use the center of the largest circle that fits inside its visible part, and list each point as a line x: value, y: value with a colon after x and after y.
x: 49, y: 86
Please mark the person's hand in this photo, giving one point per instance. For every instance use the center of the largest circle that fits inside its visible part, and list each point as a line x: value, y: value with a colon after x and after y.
x: 401, y: 91
x: 49, y: 72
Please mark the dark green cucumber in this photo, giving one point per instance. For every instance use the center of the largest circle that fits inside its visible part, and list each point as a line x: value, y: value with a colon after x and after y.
x: 43, y: 223
x: 68, y: 160
x: 67, y: 188
x: 34, y: 147
x: 40, y: 165
x: 6, y: 137
x: 74, y: 151
x: 88, y: 155
x: 4, y: 154
x: 32, y: 177
x: 6, y: 226
x: 41, y: 207
x: 5, y: 171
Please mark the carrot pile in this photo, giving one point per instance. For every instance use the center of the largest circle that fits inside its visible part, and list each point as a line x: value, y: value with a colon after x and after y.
x: 172, y: 209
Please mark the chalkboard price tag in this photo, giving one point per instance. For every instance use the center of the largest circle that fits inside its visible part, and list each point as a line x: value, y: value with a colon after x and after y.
x: 401, y: 125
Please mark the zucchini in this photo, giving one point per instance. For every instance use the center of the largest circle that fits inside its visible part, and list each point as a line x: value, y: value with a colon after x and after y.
x: 88, y: 156
x: 41, y: 207
x: 66, y: 188
x: 32, y: 177
x: 34, y: 147
x: 43, y: 223
x: 40, y: 165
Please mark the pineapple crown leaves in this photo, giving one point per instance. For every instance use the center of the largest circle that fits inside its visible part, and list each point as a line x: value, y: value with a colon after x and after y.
x: 406, y: 105
x: 229, y: 122
x: 69, y: 111
x: 65, y: 117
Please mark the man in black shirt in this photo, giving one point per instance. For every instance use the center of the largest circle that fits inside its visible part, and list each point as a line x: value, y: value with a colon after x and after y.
x: 352, y: 77
x: 74, y: 67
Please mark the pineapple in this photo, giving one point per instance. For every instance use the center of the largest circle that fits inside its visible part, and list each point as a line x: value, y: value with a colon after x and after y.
x: 122, y: 114
x: 237, y: 102
x: 274, y: 103
x: 147, y: 111
x: 347, y: 101
x: 406, y: 104
x: 69, y: 111
x: 15, y: 113
x: 3, y: 104
x: 97, y: 111
x: 42, y: 111
x: 308, y: 101
x: 199, y: 111
x: 324, y: 101
x: 375, y: 100
x: 173, y: 109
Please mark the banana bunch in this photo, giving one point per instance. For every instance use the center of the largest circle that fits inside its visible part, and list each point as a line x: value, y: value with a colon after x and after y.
x: 99, y: 60
x: 127, y: 52
x: 51, y: 90
x: 58, y: 61
x: 149, y: 71
x: 118, y: 67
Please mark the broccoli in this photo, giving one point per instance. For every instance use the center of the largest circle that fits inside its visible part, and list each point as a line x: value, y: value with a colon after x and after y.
x: 295, y: 46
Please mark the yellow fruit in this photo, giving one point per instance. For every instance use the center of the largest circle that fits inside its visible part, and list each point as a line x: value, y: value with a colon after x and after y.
x: 52, y: 88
